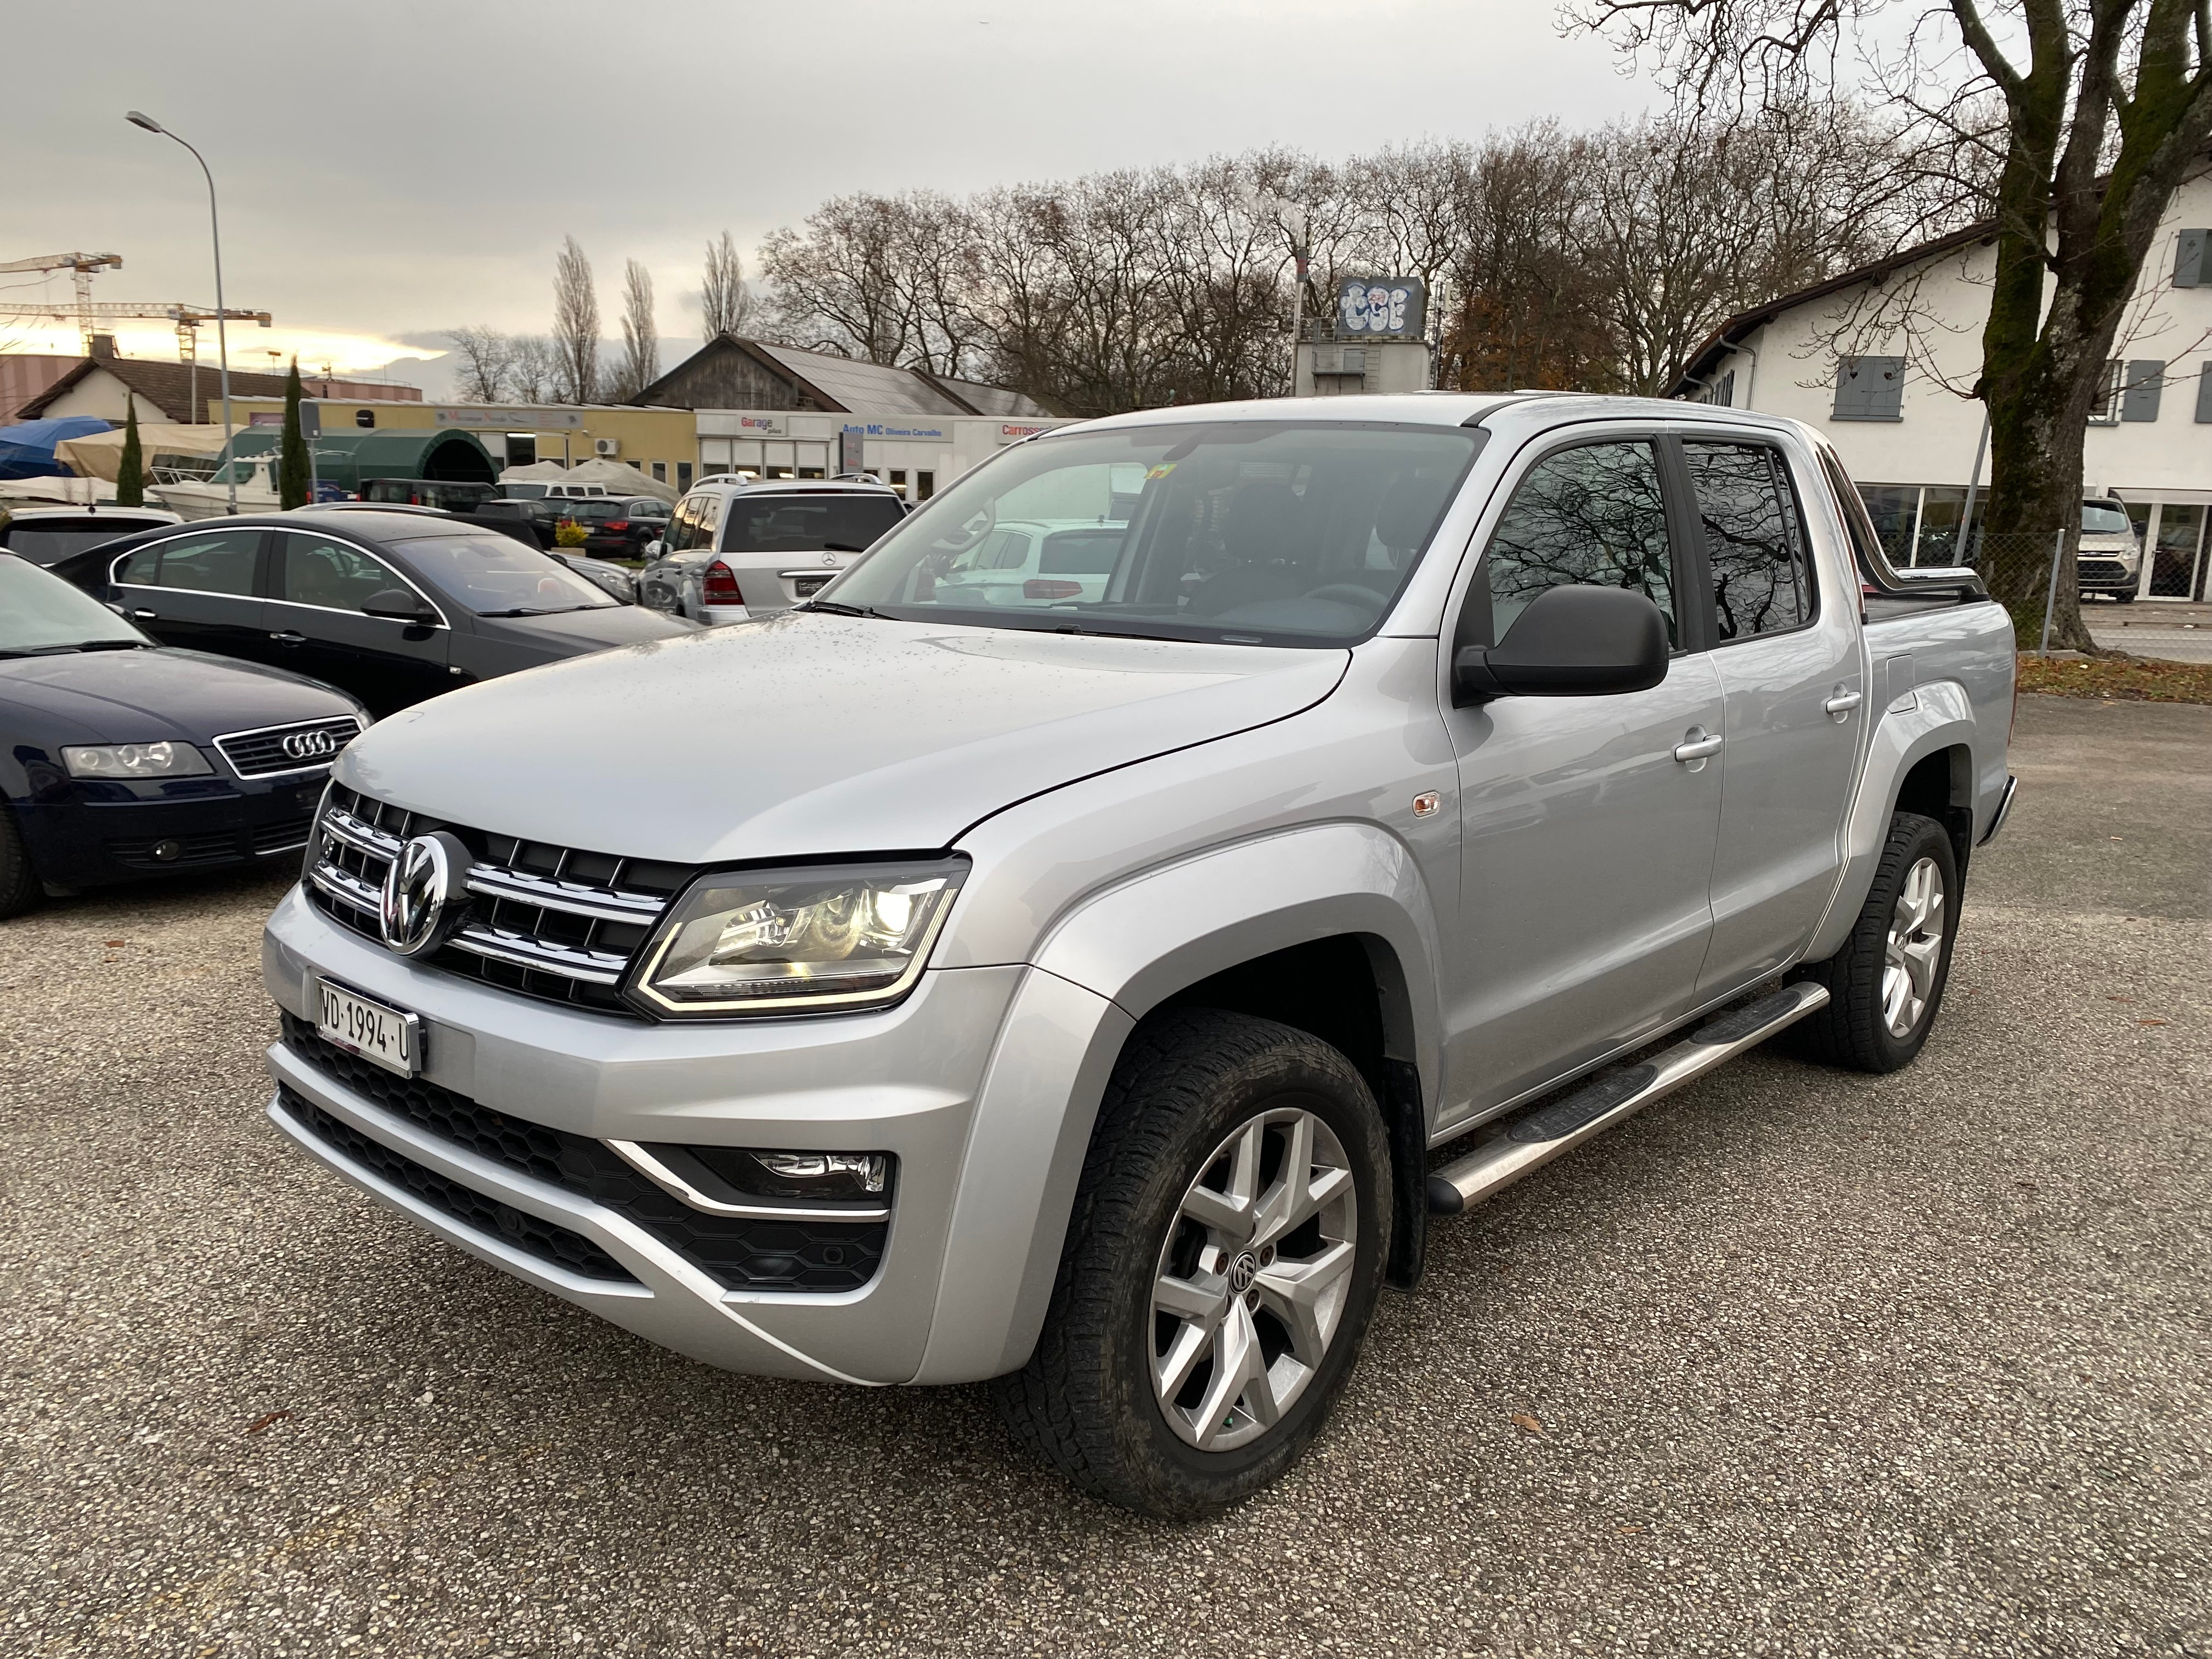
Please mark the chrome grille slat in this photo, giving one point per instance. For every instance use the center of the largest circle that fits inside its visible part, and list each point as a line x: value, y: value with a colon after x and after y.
x: 538, y: 931
x: 601, y: 903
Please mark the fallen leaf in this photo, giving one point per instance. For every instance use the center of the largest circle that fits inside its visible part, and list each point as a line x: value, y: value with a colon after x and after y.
x: 115, y: 943
x: 2025, y: 1186
x: 2150, y: 1022
x: 1522, y: 1420
x: 265, y: 1420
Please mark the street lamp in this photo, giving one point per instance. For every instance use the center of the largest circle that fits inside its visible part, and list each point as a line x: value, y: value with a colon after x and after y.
x: 221, y: 334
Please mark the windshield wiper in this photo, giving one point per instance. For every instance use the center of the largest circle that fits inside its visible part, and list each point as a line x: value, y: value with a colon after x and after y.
x: 556, y: 610
x: 110, y: 645
x: 842, y: 547
x: 68, y: 650
x: 836, y: 609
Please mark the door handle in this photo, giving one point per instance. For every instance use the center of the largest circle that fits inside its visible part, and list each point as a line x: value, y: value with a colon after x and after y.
x: 1843, y: 702
x: 1697, y: 749
x: 289, y: 638
x: 146, y: 616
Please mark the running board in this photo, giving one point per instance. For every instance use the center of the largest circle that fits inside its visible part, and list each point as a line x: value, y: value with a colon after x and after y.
x: 1534, y: 1141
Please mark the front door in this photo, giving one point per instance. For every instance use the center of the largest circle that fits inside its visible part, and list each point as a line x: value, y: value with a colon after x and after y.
x: 200, y: 591
x: 314, y: 613
x: 1586, y: 843
x: 1789, y: 658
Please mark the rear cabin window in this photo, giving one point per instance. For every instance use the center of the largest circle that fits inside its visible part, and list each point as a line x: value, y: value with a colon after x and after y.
x: 1754, y: 539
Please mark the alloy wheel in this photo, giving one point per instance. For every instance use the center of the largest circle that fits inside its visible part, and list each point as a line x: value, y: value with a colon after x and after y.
x: 1253, y: 1279
x: 1914, y: 948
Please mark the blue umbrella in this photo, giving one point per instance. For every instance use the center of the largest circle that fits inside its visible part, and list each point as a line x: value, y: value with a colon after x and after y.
x: 26, y: 448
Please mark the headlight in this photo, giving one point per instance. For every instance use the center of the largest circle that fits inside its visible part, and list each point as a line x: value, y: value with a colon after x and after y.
x: 798, y: 940
x: 135, y: 760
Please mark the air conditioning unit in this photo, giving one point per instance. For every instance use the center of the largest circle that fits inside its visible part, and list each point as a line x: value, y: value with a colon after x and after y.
x: 1339, y: 360
x: 608, y: 447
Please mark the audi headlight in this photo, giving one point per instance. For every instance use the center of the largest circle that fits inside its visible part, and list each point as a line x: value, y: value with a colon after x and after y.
x: 797, y: 940
x: 135, y: 760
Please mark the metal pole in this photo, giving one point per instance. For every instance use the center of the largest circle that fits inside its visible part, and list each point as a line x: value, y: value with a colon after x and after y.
x: 221, y: 332
x: 1298, y: 310
x: 2051, y: 597
x: 1973, y: 483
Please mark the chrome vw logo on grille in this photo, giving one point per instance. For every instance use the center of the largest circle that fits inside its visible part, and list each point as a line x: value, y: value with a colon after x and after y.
x: 422, y: 891
x: 311, y: 745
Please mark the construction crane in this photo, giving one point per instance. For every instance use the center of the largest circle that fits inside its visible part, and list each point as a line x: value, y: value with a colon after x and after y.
x: 81, y: 267
x: 88, y: 314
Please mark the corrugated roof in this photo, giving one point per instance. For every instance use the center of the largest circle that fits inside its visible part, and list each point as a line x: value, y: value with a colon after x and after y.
x: 873, y: 388
x: 992, y: 400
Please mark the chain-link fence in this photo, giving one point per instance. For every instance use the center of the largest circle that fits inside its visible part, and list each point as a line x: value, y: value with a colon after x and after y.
x: 2023, y: 572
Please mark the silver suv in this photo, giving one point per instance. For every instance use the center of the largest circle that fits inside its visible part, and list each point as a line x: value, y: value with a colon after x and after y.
x: 980, y: 979
x: 736, y: 550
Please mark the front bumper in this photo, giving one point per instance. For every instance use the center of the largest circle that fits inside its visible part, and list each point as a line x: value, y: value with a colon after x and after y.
x: 2096, y: 575
x: 905, y: 1080
x: 116, y: 831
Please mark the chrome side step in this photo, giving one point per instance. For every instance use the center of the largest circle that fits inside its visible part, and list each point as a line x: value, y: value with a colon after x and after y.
x: 1534, y: 1140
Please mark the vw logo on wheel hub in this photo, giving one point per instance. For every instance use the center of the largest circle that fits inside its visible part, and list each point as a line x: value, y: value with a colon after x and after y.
x: 422, y: 891
x: 311, y: 745
x: 1242, y: 1271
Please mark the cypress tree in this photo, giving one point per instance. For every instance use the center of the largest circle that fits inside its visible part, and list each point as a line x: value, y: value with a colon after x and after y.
x: 130, y: 471
x: 292, y: 485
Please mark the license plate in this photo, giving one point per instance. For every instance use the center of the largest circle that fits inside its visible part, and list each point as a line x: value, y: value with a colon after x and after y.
x: 380, y: 1035
x: 809, y: 586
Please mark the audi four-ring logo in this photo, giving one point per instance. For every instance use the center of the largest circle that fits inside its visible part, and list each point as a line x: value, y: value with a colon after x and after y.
x: 418, y: 904
x: 311, y: 745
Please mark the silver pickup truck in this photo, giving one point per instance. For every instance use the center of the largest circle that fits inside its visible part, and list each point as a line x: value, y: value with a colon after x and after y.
x: 1102, y: 991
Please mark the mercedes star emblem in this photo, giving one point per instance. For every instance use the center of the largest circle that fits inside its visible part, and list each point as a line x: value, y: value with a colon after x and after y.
x: 421, y: 893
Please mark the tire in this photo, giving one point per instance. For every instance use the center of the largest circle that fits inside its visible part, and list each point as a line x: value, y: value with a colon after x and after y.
x: 2128, y: 597
x: 1881, y: 1006
x: 1198, y: 1097
x: 19, y: 882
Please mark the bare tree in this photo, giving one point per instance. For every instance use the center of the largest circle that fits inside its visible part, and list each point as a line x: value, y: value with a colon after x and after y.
x: 727, y: 306
x: 640, y: 344
x: 485, y: 358
x: 575, y: 325
x: 533, y: 373
x: 2105, y: 104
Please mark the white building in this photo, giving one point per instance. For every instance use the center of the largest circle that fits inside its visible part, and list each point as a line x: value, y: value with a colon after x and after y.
x: 1880, y: 358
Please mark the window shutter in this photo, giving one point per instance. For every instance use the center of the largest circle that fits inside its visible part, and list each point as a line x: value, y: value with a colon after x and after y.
x: 2188, y: 258
x: 2139, y: 400
x: 1869, y: 388
x: 2205, y: 396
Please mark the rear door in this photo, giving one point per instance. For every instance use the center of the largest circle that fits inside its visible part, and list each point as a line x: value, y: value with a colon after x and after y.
x: 200, y: 590
x: 1787, y: 646
x: 319, y: 584
x: 1587, y: 823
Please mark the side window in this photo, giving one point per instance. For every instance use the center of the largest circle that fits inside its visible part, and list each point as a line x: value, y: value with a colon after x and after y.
x: 222, y: 563
x: 1592, y: 514
x: 315, y: 570
x: 142, y: 570
x: 1754, y: 538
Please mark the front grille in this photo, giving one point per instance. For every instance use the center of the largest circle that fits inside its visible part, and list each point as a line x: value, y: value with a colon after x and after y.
x: 474, y: 1209
x: 303, y: 746
x: 740, y: 1252
x: 547, y: 921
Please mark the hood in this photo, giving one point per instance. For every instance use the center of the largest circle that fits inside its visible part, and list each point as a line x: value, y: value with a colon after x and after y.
x: 568, y: 632
x: 808, y: 733
x: 146, y: 696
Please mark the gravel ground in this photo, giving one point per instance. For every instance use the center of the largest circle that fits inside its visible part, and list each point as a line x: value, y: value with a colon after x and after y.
x: 1798, y: 1363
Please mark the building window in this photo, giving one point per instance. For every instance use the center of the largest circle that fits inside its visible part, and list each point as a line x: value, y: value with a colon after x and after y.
x: 2105, y: 410
x: 925, y: 485
x: 2189, y: 268
x: 683, y: 475
x: 1869, y: 389
x: 660, y: 472
x: 364, y: 417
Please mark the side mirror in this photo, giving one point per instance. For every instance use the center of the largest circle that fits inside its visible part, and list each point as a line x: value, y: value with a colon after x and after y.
x: 397, y: 604
x: 656, y: 548
x: 1575, y: 641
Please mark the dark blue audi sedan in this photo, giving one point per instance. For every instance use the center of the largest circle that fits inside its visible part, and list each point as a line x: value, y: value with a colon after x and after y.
x: 121, y: 759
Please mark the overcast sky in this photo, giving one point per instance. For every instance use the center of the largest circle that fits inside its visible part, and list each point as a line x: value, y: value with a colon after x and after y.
x: 389, y: 170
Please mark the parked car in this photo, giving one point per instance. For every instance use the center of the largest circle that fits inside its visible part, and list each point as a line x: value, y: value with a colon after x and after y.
x: 121, y: 760
x: 429, y: 492
x: 611, y: 578
x: 1071, y: 993
x: 736, y: 550
x: 392, y: 603
x: 46, y: 535
x: 1020, y: 564
x: 2109, y: 557
x: 519, y: 491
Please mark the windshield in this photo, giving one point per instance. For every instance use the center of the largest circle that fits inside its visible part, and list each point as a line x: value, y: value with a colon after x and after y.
x: 2103, y: 519
x: 496, y: 575
x: 1249, y: 533
x: 40, y: 611
x: 42, y: 545
x: 806, y: 523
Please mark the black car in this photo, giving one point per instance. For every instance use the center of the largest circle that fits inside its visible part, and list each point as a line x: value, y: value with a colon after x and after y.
x: 619, y: 527
x: 120, y: 760
x: 391, y: 605
x: 46, y: 535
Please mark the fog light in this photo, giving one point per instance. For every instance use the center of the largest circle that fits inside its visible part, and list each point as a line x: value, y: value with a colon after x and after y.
x: 168, y: 851
x: 828, y: 1176
x: 865, y: 1170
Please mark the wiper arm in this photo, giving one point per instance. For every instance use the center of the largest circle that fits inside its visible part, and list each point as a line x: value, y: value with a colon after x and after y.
x: 111, y: 645
x: 842, y: 547
x: 836, y: 609
x: 71, y: 650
